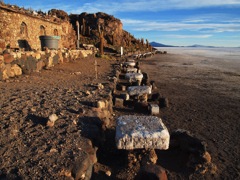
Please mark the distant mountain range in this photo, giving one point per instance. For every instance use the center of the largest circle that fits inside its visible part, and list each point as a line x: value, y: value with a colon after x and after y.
x: 156, y: 44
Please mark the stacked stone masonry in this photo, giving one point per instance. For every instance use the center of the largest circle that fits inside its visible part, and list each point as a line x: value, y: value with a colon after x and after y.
x: 21, y: 29
x: 17, y: 63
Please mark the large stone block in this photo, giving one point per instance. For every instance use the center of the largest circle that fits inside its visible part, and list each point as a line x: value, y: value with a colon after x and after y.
x: 133, y: 77
x: 138, y: 132
x: 139, y: 90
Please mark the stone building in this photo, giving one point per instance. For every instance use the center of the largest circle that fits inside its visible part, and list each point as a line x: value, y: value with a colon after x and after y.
x: 21, y: 28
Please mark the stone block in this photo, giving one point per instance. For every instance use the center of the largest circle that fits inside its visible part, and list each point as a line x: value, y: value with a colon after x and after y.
x: 49, y: 62
x: 40, y: 65
x: 101, y: 104
x: 131, y: 70
x: 134, y: 77
x: 37, y: 55
x: 29, y: 65
x: 8, y: 58
x: 2, y: 64
x: 16, y: 70
x: 139, y: 90
x: 153, y: 109
x: 119, y: 102
x: 131, y: 64
x: 3, y: 74
x: 138, y: 132
x: 9, y: 71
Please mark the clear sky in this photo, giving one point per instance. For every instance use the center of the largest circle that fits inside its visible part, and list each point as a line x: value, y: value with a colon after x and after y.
x: 172, y: 22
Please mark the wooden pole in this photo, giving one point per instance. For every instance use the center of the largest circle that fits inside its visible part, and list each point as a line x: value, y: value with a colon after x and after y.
x: 77, y: 23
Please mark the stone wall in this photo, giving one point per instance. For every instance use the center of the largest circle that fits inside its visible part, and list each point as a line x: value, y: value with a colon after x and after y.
x: 21, y: 29
x: 17, y: 63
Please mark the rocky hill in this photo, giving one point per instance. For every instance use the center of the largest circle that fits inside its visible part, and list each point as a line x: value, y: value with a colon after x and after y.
x: 114, y: 35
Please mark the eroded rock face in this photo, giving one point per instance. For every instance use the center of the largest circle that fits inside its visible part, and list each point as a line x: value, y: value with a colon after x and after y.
x: 59, y: 13
x: 114, y: 35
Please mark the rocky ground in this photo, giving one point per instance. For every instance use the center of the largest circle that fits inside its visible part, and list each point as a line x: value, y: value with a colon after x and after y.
x: 199, y: 101
x: 30, y: 149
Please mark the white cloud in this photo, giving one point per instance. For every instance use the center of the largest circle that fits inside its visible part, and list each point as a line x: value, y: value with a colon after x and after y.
x: 149, y: 5
x: 189, y: 36
x: 142, y: 25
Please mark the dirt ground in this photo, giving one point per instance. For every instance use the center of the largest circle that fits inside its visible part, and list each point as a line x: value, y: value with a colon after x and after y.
x: 203, y: 99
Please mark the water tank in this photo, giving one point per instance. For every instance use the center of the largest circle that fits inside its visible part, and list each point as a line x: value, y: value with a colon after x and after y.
x: 51, y: 42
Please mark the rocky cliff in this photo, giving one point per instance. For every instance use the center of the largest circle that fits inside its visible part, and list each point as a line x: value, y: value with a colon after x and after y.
x: 114, y: 35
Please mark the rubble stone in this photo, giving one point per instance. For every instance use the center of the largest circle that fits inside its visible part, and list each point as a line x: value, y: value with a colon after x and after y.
x: 137, y: 132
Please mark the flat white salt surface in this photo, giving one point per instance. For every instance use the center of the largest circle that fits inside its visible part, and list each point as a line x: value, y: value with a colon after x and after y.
x: 223, y: 58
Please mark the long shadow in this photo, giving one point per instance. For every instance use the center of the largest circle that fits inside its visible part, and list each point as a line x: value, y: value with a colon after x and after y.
x: 37, y: 119
x: 91, y: 128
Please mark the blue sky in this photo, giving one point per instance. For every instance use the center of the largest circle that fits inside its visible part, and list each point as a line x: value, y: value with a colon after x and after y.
x: 173, y: 22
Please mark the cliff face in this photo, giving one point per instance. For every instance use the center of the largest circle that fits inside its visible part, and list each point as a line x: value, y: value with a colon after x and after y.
x: 114, y: 35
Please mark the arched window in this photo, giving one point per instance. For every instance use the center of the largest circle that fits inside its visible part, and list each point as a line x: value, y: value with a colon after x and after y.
x: 42, y: 30
x: 55, y: 32
x: 23, y: 29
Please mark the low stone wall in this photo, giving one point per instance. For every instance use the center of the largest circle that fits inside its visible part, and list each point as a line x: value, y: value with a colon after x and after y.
x: 17, y: 63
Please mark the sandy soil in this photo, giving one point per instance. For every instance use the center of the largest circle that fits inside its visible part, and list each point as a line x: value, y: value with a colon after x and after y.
x: 204, y: 95
x: 204, y: 98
